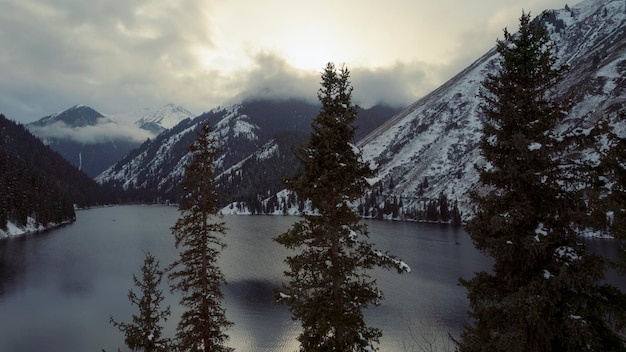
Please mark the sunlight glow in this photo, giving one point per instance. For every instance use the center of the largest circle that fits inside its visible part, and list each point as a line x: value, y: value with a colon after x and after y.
x: 306, y: 56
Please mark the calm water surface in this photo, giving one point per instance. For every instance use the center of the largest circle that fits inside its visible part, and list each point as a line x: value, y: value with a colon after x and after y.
x: 58, y: 289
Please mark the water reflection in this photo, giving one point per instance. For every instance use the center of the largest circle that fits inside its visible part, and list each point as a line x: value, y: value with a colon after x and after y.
x: 12, y: 267
x: 261, y: 324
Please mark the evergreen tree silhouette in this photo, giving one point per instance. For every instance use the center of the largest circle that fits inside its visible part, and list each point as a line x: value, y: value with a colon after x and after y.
x: 329, y: 285
x: 196, y: 274
x: 545, y: 290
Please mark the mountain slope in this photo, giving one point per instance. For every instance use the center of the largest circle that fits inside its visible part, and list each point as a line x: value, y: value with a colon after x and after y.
x: 247, y: 184
x: 86, y: 138
x: 38, y: 188
x: 153, y: 171
x: 436, y: 138
x: 93, y: 142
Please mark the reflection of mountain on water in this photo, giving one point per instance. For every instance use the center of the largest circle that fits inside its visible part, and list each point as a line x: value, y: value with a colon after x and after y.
x: 261, y: 324
x: 252, y: 292
x: 12, y: 266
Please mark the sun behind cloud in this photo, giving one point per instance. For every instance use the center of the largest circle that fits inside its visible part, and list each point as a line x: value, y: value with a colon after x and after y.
x: 308, y: 56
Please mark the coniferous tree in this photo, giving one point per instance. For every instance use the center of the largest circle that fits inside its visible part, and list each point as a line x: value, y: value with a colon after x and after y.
x: 619, y: 190
x: 455, y: 214
x: 444, y: 210
x: 545, y: 291
x: 329, y: 284
x: 614, y: 164
x: 196, y: 274
x: 37, y: 184
x: 145, y: 331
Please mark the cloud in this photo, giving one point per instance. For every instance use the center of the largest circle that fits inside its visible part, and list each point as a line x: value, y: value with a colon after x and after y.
x: 115, y: 52
x: 273, y: 78
x: 398, y: 85
x: 104, y: 131
x: 123, y: 55
x: 119, y: 56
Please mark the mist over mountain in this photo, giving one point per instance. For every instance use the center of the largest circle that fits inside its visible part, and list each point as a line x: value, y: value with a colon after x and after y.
x: 92, y: 141
x: 82, y: 124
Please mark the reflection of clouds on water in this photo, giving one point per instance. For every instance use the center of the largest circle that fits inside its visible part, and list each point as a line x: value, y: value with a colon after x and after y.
x: 73, y: 270
x: 261, y: 324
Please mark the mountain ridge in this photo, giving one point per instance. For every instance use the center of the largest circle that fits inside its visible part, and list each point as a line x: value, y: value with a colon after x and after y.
x: 92, y: 141
x: 436, y: 138
x: 155, y: 169
x: 163, y: 118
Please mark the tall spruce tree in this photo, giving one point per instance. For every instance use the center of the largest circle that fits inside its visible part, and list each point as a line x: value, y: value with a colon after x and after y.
x: 614, y: 163
x: 145, y: 331
x: 329, y: 284
x: 545, y: 291
x: 196, y: 274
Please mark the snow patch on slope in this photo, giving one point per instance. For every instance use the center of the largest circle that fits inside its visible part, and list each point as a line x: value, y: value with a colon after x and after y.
x: 437, y: 137
x: 32, y: 226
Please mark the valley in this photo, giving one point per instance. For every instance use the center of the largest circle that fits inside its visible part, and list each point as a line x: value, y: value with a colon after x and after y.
x: 425, y: 153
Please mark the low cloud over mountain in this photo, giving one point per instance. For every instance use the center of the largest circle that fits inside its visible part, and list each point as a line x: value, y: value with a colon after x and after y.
x: 104, y: 131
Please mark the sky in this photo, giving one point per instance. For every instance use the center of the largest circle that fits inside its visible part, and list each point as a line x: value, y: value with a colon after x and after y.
x: 122, y: 56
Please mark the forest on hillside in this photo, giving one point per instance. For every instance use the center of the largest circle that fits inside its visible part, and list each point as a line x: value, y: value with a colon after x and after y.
x: 37, y: 185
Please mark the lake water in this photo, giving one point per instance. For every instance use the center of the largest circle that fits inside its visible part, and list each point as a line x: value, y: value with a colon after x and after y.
x: 58, y: 289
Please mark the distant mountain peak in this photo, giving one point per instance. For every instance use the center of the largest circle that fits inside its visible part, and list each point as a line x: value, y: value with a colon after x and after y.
x: 76, y: 116
x: 86, y: 138
x: 164, y: 118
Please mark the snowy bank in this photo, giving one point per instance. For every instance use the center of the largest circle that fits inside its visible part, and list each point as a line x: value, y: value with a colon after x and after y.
x: 31, y: 227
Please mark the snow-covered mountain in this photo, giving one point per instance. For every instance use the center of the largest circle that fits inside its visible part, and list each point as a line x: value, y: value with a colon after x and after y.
x: 87, y: 139
x: 435, y: 140
x: 75, y: 117
x: 154, y: 170
x: 426, y: 154
x: 93, y: 142
x: 164, y: 118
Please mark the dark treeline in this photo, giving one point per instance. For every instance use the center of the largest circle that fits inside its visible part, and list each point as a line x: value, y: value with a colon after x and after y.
x: 377, y: 203
x: 37, y: 182
x: 380, y: 203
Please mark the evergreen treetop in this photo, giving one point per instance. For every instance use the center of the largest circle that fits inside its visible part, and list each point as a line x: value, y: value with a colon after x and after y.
x: 329, y: 284
x: 196, y: 273
x: 326, y: 181
x: 145, y: 331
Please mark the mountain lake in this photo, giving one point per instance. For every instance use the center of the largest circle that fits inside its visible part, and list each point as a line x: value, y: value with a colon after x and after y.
x: 59, y: 288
